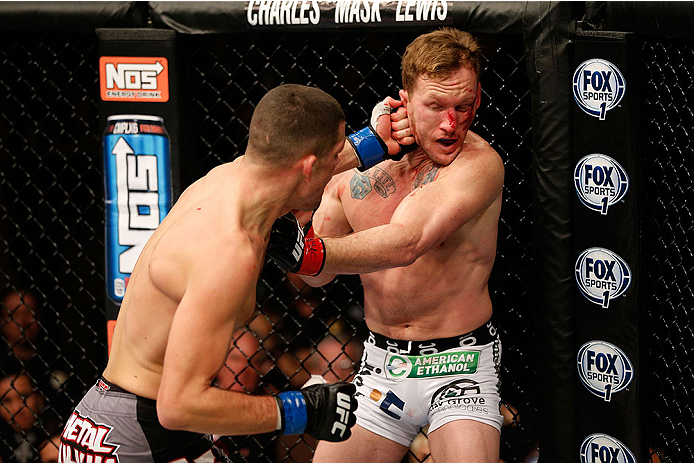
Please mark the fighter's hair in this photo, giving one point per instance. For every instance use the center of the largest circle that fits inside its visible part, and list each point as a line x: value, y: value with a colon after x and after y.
x: 293, y: 120
x: 438, y: 54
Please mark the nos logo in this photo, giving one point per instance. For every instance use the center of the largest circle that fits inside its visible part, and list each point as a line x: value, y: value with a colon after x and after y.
x: 603, y: 368
x: 600, y: 182
x: 598, y: 87
x: 134, y: 78
x: 602, y: 275
x: 601, y: 448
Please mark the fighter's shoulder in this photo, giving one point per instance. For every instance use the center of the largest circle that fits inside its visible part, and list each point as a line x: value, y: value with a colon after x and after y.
x: 478, y: 162
x: 475, y: 142
x: 479, y: 151
x: 228, y: 241
x: 339, y: 181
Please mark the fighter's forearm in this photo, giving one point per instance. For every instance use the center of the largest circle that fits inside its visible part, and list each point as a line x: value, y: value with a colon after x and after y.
x: 347, y: 159
x: 378, y: 248
x: 216, y: 411
x: 319, y: 280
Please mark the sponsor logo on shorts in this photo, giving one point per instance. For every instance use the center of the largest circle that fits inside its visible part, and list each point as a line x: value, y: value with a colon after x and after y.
x: 431, y: 366
x: 600, y: 182
x: 134, y: 78
x: 601, y: 448
x: 84, y: 440
x: 102, y: 385
x: 602, y: 275
x: 392, y: 402
x: 463, y: 394
x: 598, y: 87
x: 604, y: 369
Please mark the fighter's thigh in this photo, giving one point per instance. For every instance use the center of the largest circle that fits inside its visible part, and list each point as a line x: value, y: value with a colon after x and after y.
x: 465, y: 441
x: 363, y: 446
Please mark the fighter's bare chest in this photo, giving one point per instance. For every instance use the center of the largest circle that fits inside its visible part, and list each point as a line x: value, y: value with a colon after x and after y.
x: 371, y: 197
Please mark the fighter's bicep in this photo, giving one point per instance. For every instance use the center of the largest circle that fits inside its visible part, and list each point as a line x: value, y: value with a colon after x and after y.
x: 330, y: 218
x: 204, y: 321
x: 436, y: 210
x: 428, y: 215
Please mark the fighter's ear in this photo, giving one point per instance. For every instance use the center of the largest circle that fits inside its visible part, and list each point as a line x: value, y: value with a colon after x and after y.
x: 403, y: 97
x: 307, y: 164
x: 478, y: 100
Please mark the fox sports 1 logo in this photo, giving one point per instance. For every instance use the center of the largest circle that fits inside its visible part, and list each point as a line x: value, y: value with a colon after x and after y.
x: 602, y: 275
x: 600, y: 182
x: 601, y: 448
x: 604, y: 369
x: 598, y: 87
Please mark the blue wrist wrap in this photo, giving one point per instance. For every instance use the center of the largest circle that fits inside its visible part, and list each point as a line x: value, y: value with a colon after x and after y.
x: 294, y: 408
x: 369, y: 147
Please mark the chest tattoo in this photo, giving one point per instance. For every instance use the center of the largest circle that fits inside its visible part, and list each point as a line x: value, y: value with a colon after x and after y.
x: 425, y: 176
x: 362, y: 183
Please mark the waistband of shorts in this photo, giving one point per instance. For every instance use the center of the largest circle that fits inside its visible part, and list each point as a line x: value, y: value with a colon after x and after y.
x: 481, y: 336
x: 103, y: 385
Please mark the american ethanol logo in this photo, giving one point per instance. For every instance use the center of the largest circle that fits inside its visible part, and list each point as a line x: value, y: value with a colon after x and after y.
x: 427, y: 366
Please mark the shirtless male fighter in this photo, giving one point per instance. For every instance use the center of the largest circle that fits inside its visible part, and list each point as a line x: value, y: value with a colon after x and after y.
x: 421, y: 232
x: 195, y: 282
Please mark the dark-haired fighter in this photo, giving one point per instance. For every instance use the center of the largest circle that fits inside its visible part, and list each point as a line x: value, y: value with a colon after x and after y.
x: 195, y: 282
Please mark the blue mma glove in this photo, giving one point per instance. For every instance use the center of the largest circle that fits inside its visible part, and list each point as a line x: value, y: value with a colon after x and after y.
x: 369, y: 146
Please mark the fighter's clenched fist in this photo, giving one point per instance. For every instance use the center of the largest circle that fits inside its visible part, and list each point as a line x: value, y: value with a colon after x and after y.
x: 325, y: 411
x: 294, y: 248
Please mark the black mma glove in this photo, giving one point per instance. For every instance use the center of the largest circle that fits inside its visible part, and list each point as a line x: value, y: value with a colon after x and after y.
x: 370, y: 147
x: 295, y: 249
x: 324, y: 411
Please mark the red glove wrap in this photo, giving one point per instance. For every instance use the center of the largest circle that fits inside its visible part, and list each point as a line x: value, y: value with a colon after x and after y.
x: 314, y: 256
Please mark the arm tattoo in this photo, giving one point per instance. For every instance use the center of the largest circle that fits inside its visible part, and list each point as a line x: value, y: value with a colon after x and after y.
x: 425, y: 176
x: 376, y: 179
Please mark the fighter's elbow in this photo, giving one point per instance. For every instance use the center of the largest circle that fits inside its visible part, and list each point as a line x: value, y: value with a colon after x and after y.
x: 407, y: 255
x: 318, y: 281
x: 406, y: 245
x: 171, y: 412
x: 409, y: 251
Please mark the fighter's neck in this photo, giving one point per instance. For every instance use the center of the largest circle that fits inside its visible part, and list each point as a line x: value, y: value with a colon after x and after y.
x: 262, y: 195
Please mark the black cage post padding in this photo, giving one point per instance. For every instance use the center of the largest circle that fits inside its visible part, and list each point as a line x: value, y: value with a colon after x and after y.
x: 138, y: 43
x: 547, y: 40
x: 617, y: 320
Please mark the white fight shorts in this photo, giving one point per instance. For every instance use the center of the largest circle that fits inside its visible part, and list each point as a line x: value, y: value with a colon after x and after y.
x: 403, y: 385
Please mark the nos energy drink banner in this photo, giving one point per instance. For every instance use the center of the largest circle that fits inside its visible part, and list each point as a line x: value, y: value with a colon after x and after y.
x: 605, y: 86
x: 139, y: 118
x: 138, y: 192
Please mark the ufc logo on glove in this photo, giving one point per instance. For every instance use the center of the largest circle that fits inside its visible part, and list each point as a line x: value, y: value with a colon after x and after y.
x: 343, y: 410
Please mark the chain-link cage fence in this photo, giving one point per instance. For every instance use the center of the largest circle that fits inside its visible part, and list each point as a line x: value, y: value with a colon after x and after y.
x: 51, y: 214
x: 668, y: 163
x: 51, y: 234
